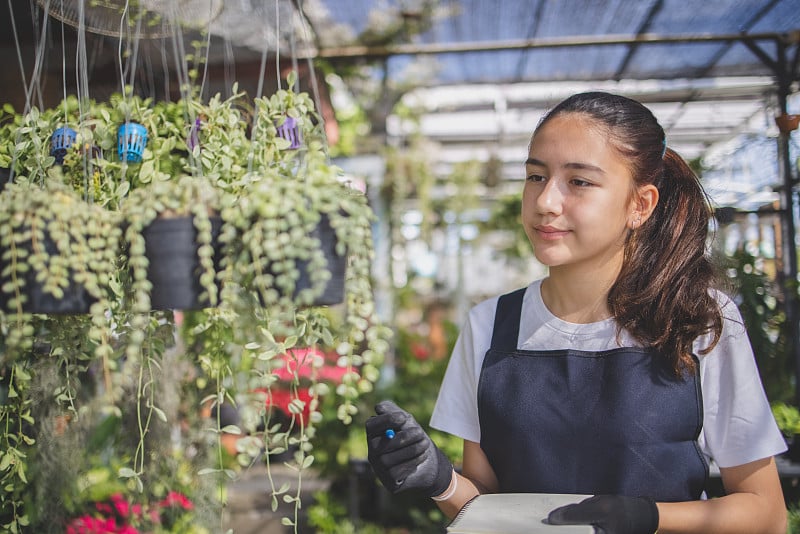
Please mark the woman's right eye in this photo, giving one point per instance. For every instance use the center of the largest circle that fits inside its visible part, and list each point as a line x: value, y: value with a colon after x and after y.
x: 536, y: 178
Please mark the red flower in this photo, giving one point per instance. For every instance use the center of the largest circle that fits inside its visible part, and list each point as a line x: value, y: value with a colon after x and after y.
x: 122, y: 506
x: 420, y: 351
x: 174, y: 498
x: 87, y: 524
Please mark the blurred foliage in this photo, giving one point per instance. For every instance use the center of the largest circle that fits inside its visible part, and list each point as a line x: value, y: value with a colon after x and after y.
x: 794, y: 520
x: 759, y: 302
x: 506, y: 216
x: 787, y: 417
x: 341, y: 451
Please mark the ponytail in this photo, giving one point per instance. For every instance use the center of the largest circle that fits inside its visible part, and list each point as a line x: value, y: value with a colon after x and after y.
x: 661, y: 295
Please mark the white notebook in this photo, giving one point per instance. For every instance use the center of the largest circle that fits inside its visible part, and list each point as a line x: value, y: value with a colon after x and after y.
x: 514, y: 513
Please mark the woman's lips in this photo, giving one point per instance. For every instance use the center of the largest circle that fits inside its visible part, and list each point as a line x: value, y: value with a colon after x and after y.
x: 549, y: 233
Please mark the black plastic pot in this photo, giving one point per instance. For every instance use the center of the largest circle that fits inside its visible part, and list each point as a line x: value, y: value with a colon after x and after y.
x: 174, y: 268
x: 76, y: 300
x: 336, y: 265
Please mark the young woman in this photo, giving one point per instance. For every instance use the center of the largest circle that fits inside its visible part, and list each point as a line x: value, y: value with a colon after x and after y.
x: 623, y: 373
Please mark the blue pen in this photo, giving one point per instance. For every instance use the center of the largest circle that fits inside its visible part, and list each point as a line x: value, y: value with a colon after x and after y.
x: 389, y: 433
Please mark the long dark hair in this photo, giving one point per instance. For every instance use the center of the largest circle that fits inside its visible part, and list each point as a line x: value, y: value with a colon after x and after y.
x: 661, y: 296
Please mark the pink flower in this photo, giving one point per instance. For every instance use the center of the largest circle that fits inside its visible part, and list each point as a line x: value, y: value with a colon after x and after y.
x: 81, y: 525
x: 123, y: 508
x: 104, y: 508
x: 174, y: 498
x: 91, y: 525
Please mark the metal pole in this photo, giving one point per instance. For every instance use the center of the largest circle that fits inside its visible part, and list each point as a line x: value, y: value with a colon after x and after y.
x: 784, y: 78
x: 360, y: 52
x: 785, y: 73
x: 789, y: 254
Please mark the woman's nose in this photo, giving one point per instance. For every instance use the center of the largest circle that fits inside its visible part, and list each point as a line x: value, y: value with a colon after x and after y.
x: 550, y: 198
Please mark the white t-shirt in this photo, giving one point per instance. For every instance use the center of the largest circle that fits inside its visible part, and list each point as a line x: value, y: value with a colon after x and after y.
x: 738, y: 426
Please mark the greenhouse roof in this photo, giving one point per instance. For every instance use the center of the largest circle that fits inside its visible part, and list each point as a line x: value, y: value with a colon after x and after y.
x: 475, y: 41
x: 483, y: 71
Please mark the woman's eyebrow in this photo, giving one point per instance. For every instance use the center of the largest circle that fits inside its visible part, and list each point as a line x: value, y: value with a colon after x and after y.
x: 574, y: 165
x: 584, y: 167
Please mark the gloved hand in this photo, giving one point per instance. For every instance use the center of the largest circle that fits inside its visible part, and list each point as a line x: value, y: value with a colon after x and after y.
x: 409, y: 460
x: 610, y: 514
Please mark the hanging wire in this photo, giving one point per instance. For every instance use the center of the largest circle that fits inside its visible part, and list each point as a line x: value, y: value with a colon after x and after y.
x: 208, y: 47
x: 262, y: 69
x: 164, y: 67
x: 259, y: 90
x: 135, y: 57
x: 36, y: 86
x: 229, y: 62
x: 119, y: 46
x: 278, y: 43
x: 293, y: 51
x: 82, y: 77
x: 39, y: 50
x: 312, y: 74
x: 63, y: 63
x: 37, y: 65
x: 184, y: 82
x: 19, y: 50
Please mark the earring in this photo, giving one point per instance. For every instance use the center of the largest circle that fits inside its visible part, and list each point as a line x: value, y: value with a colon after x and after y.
x: 636, y: 223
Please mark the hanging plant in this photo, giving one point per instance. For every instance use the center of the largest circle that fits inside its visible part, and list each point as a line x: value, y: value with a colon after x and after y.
x: 276, y: 270
x: 257, y: 215
x: 59, y: 255
x: 173, y: 220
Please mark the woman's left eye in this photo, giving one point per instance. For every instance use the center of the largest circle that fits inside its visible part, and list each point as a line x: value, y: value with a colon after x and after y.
x: 536, y: 178
x: 581, y: 183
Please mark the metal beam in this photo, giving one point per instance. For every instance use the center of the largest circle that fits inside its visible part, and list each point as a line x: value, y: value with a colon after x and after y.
x: 362, y: 52
x: 644, y: 28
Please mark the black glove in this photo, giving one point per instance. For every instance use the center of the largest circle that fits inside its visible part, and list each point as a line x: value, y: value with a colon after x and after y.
x: 610, y: 514
x: 409, y: 460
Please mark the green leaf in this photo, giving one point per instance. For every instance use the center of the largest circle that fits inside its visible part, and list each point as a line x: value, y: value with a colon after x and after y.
x: 5, y: 461
x: 122, y: 189
x: 126, y: 472
x: 21, y: 373
x: 160, y: 413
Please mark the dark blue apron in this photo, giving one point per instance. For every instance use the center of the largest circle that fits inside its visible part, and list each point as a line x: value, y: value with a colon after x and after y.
x: 569, y: 421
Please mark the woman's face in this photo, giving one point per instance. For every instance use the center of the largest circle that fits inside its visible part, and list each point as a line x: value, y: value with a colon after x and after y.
x: 577, y: 205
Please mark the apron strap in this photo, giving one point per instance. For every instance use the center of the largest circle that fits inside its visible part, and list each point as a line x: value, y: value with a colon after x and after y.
x: 506, y: 321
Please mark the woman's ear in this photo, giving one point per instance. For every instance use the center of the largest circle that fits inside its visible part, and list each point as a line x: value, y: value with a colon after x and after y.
x: 643, y: 205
